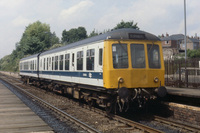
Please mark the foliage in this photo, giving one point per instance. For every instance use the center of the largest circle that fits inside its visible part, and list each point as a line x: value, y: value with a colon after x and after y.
x: 36, y: 38
x: 129, y: 24
x: 193, y: 53
x: 93, y: 33
x: 74, y: 35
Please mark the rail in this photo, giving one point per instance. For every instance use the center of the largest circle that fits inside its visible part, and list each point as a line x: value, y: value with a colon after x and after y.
x: 186, y: 127
x: 55, y: 109
x: 125, y: 124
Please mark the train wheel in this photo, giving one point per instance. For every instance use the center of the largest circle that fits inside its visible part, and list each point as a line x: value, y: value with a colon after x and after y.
x: 111, y: 106
x: 91, y: 103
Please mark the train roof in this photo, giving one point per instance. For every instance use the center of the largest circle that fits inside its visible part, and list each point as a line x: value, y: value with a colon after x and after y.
x: 125, y: 33
x: 29, y: 57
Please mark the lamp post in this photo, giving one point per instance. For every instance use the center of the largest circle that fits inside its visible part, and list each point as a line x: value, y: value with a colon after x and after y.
x: 185, y: 38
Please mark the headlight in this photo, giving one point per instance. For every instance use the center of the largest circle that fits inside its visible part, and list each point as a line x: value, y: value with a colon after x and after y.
x: 156, y: 79
x: 120, y: 80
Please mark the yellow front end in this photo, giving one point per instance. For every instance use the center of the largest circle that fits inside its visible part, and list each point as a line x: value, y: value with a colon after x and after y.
x: 132, y: 76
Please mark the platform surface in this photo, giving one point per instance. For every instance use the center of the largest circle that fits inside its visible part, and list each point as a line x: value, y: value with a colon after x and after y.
x: 187, y: 92
x: 16, y: 117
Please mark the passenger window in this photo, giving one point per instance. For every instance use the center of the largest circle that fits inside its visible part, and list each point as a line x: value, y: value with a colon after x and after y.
x: 80, y: 60
x: 73, y: 59
x: 35, y: 65
x: 47, y: 63
x: 67, y: 57
x: 20, y: 66
x: 56, y: 63
x: 52, y: 67
x: 30, y: 65
x: 44, y: 64
x: 41, y: 63
x: 61, y: 62
x: 138, y: 56
x: 100, y: 56
x: 90, y: 59
x: 120, y: 55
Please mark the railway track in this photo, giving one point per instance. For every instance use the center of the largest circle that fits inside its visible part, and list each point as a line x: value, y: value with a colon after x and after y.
x: 55, y: 109
x: 120, y: 122
x: 117, y: 121
x: 182, y: 127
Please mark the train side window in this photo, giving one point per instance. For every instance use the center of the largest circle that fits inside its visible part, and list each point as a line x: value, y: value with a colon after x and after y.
x: 44, y: 64
x: 67, y: 57
x: 56, y: 63
x: 25, y: 66
x: 41, y: 63
x: 90, y: 59
x: 52, y: 66
x: 30, y: 65
x: 100, y: 56
x: 73, y: 59
x: 20, y: 66
x: 34, y: 65
x: 47, y: 63
x: 138, y: 56
x: 80, y: 60
x: 61, y: 62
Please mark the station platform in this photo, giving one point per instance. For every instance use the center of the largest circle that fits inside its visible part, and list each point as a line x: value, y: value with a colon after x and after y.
x: 186, y: 92
x: 16, y: 117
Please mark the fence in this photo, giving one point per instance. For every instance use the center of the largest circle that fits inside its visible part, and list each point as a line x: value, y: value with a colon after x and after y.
x: 181, y: 73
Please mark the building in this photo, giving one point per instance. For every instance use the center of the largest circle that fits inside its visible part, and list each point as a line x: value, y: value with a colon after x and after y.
x: 174, y: 44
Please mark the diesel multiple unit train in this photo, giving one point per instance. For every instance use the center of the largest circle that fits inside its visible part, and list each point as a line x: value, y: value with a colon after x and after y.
x: 112, y: 70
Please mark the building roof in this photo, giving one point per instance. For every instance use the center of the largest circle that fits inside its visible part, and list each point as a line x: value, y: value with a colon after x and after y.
x: 194, y: 40
x: 175, y: 37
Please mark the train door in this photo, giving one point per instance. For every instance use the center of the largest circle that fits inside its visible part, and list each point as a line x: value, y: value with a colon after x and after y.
x: 99, y: 62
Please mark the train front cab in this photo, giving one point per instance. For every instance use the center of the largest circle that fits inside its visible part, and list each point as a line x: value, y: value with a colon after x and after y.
x: 134, y: 68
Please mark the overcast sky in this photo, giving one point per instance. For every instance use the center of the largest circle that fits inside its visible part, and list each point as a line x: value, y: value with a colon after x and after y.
x: 154, y: 16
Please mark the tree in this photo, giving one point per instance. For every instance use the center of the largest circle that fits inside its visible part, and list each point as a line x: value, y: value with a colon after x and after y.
x: 74, y: 35
x: 93, y: 33
x: 129, y: 24
x: 193, y: 53
x: 36, y: 38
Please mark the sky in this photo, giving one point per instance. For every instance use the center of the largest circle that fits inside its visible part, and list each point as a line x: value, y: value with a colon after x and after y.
x: 155, y: 16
